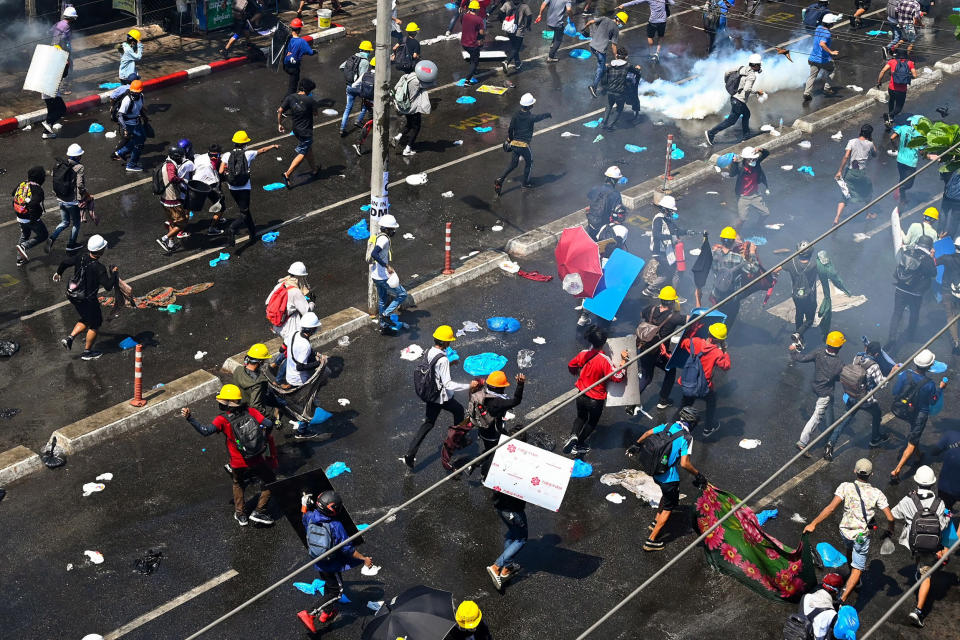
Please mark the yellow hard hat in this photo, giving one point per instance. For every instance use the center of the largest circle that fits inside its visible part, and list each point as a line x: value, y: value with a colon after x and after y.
x: 135, y: 34
x: 668, y: 294
x: 622, y: 16
x: 835, y: 339
x: 931, y: 212
x: 718, y: 330
x: 728, y: 233
x: 468, y: 613
x: 412, y: 26
x: 474, y: 5
x: 444, y: 333
x: 498, y: 379
x: 241, y: 137
x: 259, y: 351
x: 229, y: 392
x: 373, y: 61
x: 366, y: 45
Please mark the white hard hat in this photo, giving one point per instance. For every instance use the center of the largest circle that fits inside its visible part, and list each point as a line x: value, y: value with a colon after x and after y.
x: 925, y: 477
x: 527, y: 100
x: 924, y: 359
x: 613, y: 172
x: 389, y: 222
x: 668, y: 202
x: 96, y: 243
x: 74, y: 150
x: 755, y: 59
x: 297, y: 269
x: 750, y: 153
x: 69, y: 12
x: 309, y: 321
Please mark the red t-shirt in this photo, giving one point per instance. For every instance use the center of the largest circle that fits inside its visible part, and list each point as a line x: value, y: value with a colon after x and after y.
x: 482, y: 12
x: 471, y: 25
x: 893, y: 65
x: 712, y: 357
x: 751, y: 179
x: 593, y: 364
x: 237, y: 461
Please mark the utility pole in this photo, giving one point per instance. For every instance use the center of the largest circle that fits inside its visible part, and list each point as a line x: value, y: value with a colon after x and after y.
x: 30, y: 8
x: 379, y: 171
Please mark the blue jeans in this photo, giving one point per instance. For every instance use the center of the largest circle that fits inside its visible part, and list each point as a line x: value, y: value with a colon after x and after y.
x: 875, y: 415
x: 601, y: 64
x: 515, y: 537
x: 398, y: 295
x: 134, y: 144
x: 69, y: 214
x: 352, y: 94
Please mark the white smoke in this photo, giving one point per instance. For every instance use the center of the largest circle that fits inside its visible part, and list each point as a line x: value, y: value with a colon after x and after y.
x: 704, y: 93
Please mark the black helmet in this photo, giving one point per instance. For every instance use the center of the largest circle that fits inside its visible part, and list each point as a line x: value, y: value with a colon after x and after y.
x: 689, y: 415
x: 329, y: 502
x: 175, y: 153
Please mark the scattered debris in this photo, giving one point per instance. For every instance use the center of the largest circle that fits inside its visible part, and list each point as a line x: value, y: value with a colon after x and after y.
x: 231, y: 109
x: 765, y: 515
x: 8, y: 413
x: 104, y: 477
x: 336, y: 469
x: 110, y: 135
x: 769, y: 128
x: 757, y: 240
x: 470, y: 326
x: 713, y: 193
x: 320, y: 415
x: 270, y: 236
x: 504, y: 324
x: 96, y: 127
x: 496, y: 227
x: 109, y: 85
x: 359, y: 231
x: 466, y: 100
x: 69, y: 566
x: 91, y: 488
x: 199, y: 355
x: 598, y: 138
x: 636, y: 482
x: 616, y: 498
x: 457, y: 143
x: 676, y: 153
x: 787, y: 167
x: 694, y: 252
x: 860, y: 237
x: 483, y: 364
x: 223, y: 257
x: 330, y: 112
x: 409, y: 236
x: 344, y: 341
x: 343, y: 402
x: 525, y: 358
x: 581, y: 469
x: 807, y: 170
x: 830, y: 556
x: 489, y: 88
x: 95, y: 556
x: 580, y: 54
x: 311, y: 588
x: 274, y: 186
x: 370, y: 571
x: 593, y: 124
x: 149, y: 562
x: 748, y: 443
x: 804, y: 144
x: 446, y: 194
x: 776, y: 226
x: 509, y: 266
x: 374, y: 605
x: 417, y: 179
x: 837, y: 136
x: 509, y: 415
x: 413, y: 352
x: 567, y: 134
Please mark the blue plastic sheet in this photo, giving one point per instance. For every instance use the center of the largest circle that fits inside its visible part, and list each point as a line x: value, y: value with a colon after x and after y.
x: 877, y: 32
x: 830, y: 556
x: 807, y: 170
x: 466, y: 100
x: 483, y: 129
x: 676, y: 153
x: 270, y: 236
x: 336, y: 469
x: 483, y: 364
x: 581, y: 469
x: 364, y: 207
x: 128, y: 343
x: 765, y: 515
x: 724, y: 161
x: 223, y: 257
x: 274, y: 186
x: 580, y: 54
x: 109, y: 85
x: 314, y: 588
x: 359, y: 231
x: 619, y: 273
x: 632, y: 148
x: 452, y: 355
x: 96, y: 127
x: 320, y: 415
x: 502, y: 324
x: 450, y: 6
x: 847, y: 623
x: 593, y: 124
x: 462, y: 82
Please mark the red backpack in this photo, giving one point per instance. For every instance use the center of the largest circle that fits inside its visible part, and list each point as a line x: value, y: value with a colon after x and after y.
x: 277, y: 305
x: 21, y: 199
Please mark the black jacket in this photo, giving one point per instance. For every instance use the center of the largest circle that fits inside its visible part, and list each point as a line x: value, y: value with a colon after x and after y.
x: 496, y: 409
x: 826, y: 369
x: 94, y: 276
x: 521, y: 125
x: 737, y: 169
x: 35, y: 206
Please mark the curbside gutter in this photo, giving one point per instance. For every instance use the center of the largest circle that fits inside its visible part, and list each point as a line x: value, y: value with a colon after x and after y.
x: 80, y: 104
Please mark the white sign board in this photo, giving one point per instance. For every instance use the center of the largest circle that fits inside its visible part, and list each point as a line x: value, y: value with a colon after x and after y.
x: 530, y: 473
x: 626, y: 393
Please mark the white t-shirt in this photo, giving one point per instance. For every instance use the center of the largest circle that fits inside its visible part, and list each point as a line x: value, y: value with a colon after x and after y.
x: 299, y: 349
x: 860, y: 152
x: 377, y: 270
x: 203, y: 170
x: 226, y: 161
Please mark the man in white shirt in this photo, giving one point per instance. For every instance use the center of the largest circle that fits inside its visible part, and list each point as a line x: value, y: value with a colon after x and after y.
x: 436, y: 357
x: 390, y: 293
x: 207, y: 170
x: 240, y: 189
x: 821, y: 603
x: 907, y: 509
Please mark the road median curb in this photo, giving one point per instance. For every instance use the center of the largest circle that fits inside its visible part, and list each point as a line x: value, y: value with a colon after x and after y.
x: 18, y: 462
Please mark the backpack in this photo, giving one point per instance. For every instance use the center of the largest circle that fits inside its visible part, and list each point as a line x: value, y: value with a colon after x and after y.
x: 812, y: 15
x: 75, y: 286
x: 694, y: 383
x: 249, y: 437
x: 925, y: 527
x: 655, y: 452
x: 726, y: 279
x: 598, y: 213
x: 277, y: 306
x: 511, y: 21
x: 367, y: 84
x: 115, y: 107
x: 853, y: 376
x: 952, y: 189
x: 647, y: 332
x: 615, y: 79
x: 799, y: 626
x: 892, y: 10
x: 21, y: 200
x: 732, y: 80
x: 908, y: 264
x: 905, y: 403
x: 351, y: 69
x: 65, y: 181
x: 901, y: 73
x: 403, y: 59
x: 425, y: 379
x: 159, y: 184
x: 711, y: 15
x: 319, y: 538
x: 401, y: 94
x: 238, y: 170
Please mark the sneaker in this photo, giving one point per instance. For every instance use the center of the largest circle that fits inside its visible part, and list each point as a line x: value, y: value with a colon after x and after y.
x: 307, y: 620
x: 498, y: 185
x: 228, y: 468
x: 285, y: 179
x: 241, y: 519
x: 797, y: 341
x: 21, y: 261
x: 261, y: 518
x: 709, y: 431
x: 495, y: 577
x: 807, y: 98
x: 506, y: 67
x: 304, y: 434
x: 876, y: 443
x: 407, y: 460
x: 115, y: 156
x: 828, y: 452
x: 67, y: 343
x: 583, y: 320
x: 214, y: 231
x: 356, y: 147
x: 183, y: 234
x: 653, y: 545
x: 407, y: 151
x: 134, y: 168
x: 706, y: 134
x: 48, y: 246
x: 885, y: 49
x: 89, y: 354
x: 593, y: 91
x: 162, y: 241
x: 664, y: 403
x: 916, y: 616
x: 22, y: 251
x: 570, y: 444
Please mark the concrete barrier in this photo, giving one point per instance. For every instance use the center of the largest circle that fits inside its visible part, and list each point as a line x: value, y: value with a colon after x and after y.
x: 16, y: 463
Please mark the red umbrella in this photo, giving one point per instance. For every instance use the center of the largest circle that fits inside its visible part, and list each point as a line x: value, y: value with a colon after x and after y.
x: 578, y: 262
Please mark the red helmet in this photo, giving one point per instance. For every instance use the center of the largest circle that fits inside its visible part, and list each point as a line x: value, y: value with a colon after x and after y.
x: 833, y: 582
x: 296, y: 23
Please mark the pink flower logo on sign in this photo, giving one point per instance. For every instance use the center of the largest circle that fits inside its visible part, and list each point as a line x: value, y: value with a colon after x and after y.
x: 511, y: 448
x: 497, y: 488
x: 534, y: 481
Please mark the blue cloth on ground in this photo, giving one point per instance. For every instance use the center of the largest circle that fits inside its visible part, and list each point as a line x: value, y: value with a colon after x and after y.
x: 96, y: 127
x: 336, y: 469
x: 359, y: 231
x: 466, y: 100
x: 593, y: 124
x: 504, y: 325
x: 483, y: 129
x: 581, y: 469
x: 830, y: 556
x: 320, y: 415
x: 632, y: 148
x: 270, y: 236
x: 274, y: 186
x: 311, y: 588
x: 765, y: 515
x: 483, y: 364
x: 676, y: 153
x: 619, y: 274
x: 128, y: 343
x: 580, y: 54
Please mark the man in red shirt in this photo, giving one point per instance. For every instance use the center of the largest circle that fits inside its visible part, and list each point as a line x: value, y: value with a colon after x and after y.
x: 712, y: 353
x: 471, y: 37
x: 896, y: 91
x: 751, y: 183
x: 591, y: 365
x: 253, y: 452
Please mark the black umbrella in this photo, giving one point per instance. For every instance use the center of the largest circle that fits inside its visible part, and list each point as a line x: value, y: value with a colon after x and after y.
x: 703, y: 263
x: 420, y: 613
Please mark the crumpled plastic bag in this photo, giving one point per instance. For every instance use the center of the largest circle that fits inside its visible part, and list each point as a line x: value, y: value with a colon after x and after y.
x: 632, y: 148
x: 95, y: 556
x: 274, y: 186
x: 765, y: 515
x: 466, y: 100
x: 830, y: 556
x: 314, y: 588
x: 615, y: 498
x: 676, y: 153
x: 8, y: 348
x: 847, y: 623
x: 336, y: 469
x: 593, y: 124
x: 413, y: 352
x: 581, y: 469
x: 270, y: 236
x: 748, y: 443
x: 91, y: 488
x: 416, y: 179
x: 503, y: 324
x: 320, y: 415
x: 580, y: 54
x: 359, y: 231
x: 96, y: 127
x: 483, y: 364
x: 470, y: 326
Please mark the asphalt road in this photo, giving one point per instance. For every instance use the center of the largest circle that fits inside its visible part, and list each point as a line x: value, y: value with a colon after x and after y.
x: 168, y: 493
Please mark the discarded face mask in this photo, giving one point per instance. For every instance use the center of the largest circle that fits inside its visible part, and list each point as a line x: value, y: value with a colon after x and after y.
x: 343, y: 402
x: 748, y: 443
x: 615, y: 498
x: 91, y: 488
x: 787, y: 167
x: 95, y: 556
x: 446, y: 194
x: 199, y: 355
x: 804, y: 144
x: 567, y: 134
x: 413, y: 352
x: 837, y: 136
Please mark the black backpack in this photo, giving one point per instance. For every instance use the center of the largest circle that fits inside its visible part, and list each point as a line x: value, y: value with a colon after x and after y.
x: 853, y: 376
x: 115, y: 107
x: 65, y: 181
x: 76, y: 286
x: 403, y: 58
x: 905, y: 403
x: 238, y: 171
x: 367, y: 83
x: 655, y: 450
x: 249, y: 437
x: 351, y: 69
x: 425, y: 379
x: 799, y: 626
x: 616, y: 80
x: 925, y: 528
x: 600, y: 206
x: 901, y: 72
x: 909, y: 260
x: 159, y: 183
x: 732, y: 80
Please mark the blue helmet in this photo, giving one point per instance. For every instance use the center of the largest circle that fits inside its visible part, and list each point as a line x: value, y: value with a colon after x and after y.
x: 186, y: 145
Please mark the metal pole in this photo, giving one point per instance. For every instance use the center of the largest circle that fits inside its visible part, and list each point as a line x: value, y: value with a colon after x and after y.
x: 139, y: 6
x: 31, y: 9
x: 666, y: 168
x: 379, y: 171
x: 138, y: 400
x: 446, y: 250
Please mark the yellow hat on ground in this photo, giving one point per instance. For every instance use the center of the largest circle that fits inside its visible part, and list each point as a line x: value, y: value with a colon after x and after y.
x: 668, y: 294
x: 241, y: 137
x: 497, y: 379
x: 622, y: 16
x: 412, y: 26
x: 932, y: 212
x: 444, y: 333
x: 229, y: 392
x: 718, y: 330
x: 835, y: 339
x: 135, y: 34
x: 728, y: 233
x: 468, y: 613
x: 366, y: 45
x: 259, y: 351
